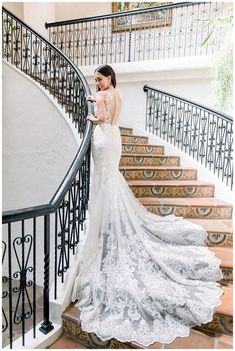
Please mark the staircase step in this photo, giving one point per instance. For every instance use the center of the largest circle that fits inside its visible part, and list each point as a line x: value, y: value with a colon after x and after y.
x: 158, y: 173
x: 221, y: 323
x: 125, y: 130
x: 168, y: 188
x: 72, y: 329
x: 225, y: 254
x: 223, y: 317
x: 196, y: 340
x: 143, y: 149
x: 188, y: 207
x: 149, y: 160
x: 65, y: 342
x: 219, y: 231
x: 134, y: 139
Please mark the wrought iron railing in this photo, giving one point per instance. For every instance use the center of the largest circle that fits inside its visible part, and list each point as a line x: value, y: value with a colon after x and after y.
x: 203, y: 133
x: 152, y: 33
x: 26, y: 230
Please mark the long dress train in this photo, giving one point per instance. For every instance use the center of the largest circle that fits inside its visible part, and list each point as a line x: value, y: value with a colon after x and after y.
x: 141, y: 277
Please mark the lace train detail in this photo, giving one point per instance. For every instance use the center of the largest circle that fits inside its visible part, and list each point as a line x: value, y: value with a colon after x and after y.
x: 141, y: 277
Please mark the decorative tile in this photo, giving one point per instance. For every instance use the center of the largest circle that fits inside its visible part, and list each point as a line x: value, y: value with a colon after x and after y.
x: 159, y: 174
x: 90, y: 340
x: 142, y: 149
x: 145, y: 160
x: 191, y: 212
x: 124, y: 130
x: 134, y: 139
x: 220, y: 324
x: 172, y: 191
x: 219, y: 239
x: 227, y: 275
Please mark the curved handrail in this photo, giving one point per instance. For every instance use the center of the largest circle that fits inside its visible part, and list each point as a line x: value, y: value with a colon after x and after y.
x: 118, y: 14
x: 29, y: 212
x: 35, y: 211
x: 215, y: 112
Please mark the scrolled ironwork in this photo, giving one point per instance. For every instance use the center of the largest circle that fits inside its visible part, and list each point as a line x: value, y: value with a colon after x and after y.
x: 38, y: 58
x: 203, y: 133
x: 157, y: 32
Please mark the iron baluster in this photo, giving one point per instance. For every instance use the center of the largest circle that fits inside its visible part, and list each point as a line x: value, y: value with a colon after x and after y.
x: 46, y: 326
x: 129, y: 40
x: 198, y: 130
x: 34, y: 278
x: 10, y: 285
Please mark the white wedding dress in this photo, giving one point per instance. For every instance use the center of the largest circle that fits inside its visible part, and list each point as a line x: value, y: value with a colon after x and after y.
x: 140, y: 277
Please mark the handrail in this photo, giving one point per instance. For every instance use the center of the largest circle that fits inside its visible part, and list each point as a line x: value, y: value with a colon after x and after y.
x: 200, y: 131
x: 45, y: 40
x: 157, y: 32
x: 214, y: 111
x: 24, y: 213
x: 38, y: 58
x: 119, y: 14
x: 35, y: 211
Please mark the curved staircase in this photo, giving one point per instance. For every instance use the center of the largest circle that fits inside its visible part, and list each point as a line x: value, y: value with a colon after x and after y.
x: 164, y: 187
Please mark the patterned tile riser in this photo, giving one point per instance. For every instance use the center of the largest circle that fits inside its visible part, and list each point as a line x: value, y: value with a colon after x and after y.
x: 149, y: 161
x: 145, y: 150
x: 134, y: 140
x: 220, y: 324
x: 172, y: 191
x: 159, y: 175
x: 227, y: 276
x: 126, y: 131
x: 90, y: 340
x: 191, y: 212
x: 219, y: 239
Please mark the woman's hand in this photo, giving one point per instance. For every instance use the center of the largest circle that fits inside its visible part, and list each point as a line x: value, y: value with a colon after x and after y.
x: 91, y: 117
x: 91, y: 98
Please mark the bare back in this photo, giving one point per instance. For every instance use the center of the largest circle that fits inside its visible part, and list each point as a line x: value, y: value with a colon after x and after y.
x: 113, y: 106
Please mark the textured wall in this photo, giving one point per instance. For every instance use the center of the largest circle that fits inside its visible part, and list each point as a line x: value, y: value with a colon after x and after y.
x: 38, y: 145
x: 190, y: 78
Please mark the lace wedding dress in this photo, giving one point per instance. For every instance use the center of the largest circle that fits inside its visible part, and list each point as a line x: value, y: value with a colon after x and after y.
x: 141, y: 277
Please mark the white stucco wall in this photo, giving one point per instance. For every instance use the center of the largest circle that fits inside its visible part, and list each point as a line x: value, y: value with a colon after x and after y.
x: 38, y: 145
x: 79, y: 9
x: 15, y: 7
x: 189, y: 77
x: 36, y: 14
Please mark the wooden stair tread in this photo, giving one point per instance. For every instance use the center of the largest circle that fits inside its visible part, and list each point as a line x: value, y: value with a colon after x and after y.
x: 141, y: 144
x: 148, y: 155
x: 189, y: 183
x: 215, y: 226
x: 196, y: 340
x: 225, y: 254
x: 134, y: 135
x: 155, y: 168
x: 122, y: 127
x: 187, y: 202
x: 227, y: 301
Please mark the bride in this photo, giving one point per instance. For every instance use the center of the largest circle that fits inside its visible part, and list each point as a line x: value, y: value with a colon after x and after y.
x: 141, y: 277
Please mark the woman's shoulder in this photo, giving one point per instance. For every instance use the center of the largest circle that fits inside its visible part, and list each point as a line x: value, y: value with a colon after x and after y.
x: 101, y: 94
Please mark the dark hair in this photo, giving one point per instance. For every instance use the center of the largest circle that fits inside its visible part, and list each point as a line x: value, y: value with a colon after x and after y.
x: 107, y: 70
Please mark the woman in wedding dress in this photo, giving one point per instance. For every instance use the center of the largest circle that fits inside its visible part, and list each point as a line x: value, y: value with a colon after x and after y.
x: 141, y: 277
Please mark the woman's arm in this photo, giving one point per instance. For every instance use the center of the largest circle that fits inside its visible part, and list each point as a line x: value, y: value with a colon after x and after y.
x: 101, y: 110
